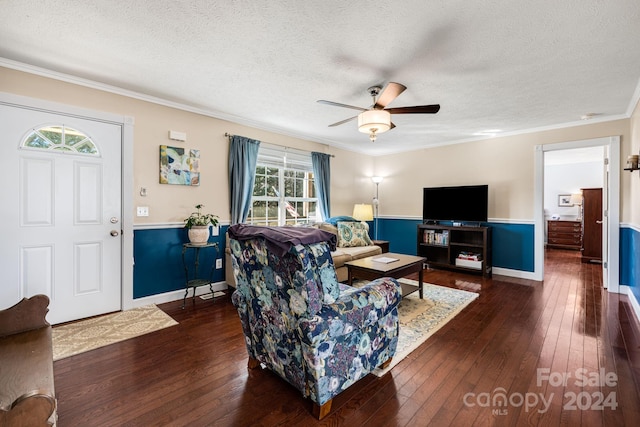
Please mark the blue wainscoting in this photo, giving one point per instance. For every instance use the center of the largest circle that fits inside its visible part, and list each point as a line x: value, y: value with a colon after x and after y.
x: 513, y: 244
x: 158, y: 252
x: 402, y: 234
x: 630, y: 259
x: 158, y: 264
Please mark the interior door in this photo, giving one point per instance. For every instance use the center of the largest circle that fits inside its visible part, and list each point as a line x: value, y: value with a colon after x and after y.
x: 605, y: 219
x: 61, y: 212
x: 592, y: 225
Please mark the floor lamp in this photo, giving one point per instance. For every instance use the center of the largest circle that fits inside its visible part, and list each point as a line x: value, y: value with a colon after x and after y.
x: 376, y: 202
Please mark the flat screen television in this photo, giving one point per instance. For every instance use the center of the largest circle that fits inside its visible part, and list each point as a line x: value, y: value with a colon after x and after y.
x: 458, y: 204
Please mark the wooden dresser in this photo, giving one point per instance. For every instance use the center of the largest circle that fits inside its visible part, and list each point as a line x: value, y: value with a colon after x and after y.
x: 564, y: 234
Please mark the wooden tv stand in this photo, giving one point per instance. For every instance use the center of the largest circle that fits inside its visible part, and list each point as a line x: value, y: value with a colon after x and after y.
x: 442, y: 245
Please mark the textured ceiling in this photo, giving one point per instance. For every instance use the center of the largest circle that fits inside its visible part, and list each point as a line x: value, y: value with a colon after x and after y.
x: 495, y: 66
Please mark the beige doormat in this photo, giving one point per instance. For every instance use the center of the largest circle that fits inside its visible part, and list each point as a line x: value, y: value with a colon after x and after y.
x: 421, y: 318
x: 84, y: 335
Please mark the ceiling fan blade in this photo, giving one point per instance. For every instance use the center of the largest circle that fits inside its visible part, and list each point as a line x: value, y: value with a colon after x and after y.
x: 343, y: 121
x: 388, y: 94
x: 337, y: 104
x: 392, y: 126
x: 418, y: 109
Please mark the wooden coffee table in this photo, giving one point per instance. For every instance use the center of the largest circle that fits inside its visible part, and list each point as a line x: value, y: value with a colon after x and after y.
x: 370, y: 269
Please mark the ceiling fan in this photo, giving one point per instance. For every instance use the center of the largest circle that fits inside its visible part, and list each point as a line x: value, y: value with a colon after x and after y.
x: 377, y: 119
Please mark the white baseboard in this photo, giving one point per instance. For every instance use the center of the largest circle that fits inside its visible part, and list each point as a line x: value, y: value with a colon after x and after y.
x: 632, y: 299
x: 514, y: 273
x: 175, y: 295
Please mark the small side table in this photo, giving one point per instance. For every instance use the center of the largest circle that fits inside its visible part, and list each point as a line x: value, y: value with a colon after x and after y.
x: 197, y: 279
x: 384, y: 245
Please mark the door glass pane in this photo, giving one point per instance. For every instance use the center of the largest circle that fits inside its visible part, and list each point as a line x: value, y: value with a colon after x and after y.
x: 36, y: 141
x: 60, y: 138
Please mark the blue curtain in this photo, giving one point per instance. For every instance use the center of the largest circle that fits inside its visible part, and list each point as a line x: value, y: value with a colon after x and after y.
x: 243, y: 155
x: 322, y: 177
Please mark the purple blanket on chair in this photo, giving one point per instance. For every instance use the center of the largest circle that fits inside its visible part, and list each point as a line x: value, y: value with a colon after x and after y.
x: 280, y: 239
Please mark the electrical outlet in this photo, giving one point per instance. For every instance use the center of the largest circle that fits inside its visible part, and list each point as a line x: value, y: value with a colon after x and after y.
x: 219, y: 263
x: 143, y: 211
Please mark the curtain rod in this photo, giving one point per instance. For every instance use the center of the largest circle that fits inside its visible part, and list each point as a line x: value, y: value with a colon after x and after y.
x: 228, y: 135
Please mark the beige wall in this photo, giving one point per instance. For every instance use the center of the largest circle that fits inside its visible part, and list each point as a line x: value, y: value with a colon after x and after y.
x: 172, y: 203
x: 506, y: 164
x: 633, y: 195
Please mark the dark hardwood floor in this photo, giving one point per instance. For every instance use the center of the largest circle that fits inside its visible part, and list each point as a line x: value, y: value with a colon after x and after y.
x: 517, y: 340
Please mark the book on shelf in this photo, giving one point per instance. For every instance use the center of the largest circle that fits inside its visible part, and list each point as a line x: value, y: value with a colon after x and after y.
x: 472, y: 256
x: 431, y: 237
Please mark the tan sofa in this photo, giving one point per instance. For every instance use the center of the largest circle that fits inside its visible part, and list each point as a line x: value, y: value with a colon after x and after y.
x: 340, y: 256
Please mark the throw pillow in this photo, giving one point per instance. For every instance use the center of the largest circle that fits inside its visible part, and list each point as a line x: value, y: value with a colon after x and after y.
x: 352, y: 234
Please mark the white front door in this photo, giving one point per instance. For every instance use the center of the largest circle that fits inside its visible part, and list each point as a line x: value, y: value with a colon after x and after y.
x: 61, y: 213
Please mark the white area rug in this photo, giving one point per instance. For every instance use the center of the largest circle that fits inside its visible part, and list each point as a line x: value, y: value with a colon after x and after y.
x: 89, y: 334
x: 421, y: 318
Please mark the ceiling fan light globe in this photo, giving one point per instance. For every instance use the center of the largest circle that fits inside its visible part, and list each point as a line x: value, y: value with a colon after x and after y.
x: 374, y: 121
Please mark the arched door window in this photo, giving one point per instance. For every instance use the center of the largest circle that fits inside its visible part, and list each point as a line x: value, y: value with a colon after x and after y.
x: 60, y: 138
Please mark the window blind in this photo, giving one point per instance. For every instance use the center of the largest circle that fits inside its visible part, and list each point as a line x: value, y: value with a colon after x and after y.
x: 283, y: 157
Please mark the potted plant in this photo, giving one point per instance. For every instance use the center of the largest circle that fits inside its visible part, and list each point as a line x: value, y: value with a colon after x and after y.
x: 198, y: 225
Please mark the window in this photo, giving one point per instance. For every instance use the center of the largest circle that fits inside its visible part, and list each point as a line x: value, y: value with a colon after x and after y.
x: 60, y: 138
x: 284, y: 190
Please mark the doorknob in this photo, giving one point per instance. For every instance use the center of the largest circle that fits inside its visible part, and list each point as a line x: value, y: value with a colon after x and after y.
x: 598, y: 222
x: 114, y: 233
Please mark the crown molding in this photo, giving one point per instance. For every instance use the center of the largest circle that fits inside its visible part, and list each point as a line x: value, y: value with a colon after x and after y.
x: 68, y: 78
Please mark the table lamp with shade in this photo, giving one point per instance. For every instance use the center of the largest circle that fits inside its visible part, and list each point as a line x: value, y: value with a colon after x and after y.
x: 576, y: 200
x: 363, y: 212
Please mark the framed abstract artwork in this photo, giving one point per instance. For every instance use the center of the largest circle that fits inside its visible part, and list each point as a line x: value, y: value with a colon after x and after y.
x: 180, y: 166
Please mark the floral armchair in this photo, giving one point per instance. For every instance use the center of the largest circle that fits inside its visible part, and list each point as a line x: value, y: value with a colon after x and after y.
x: 318, y: 334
